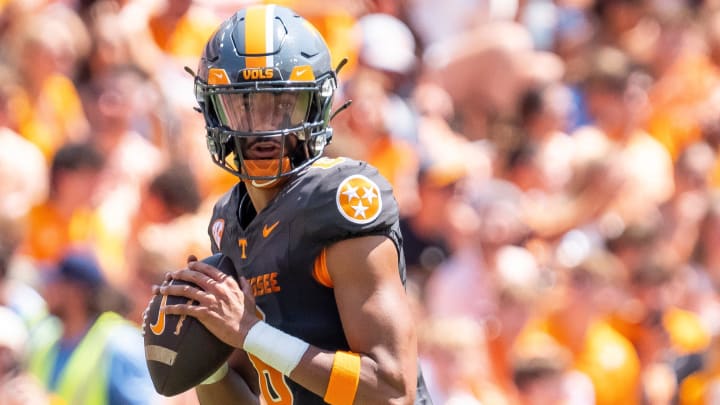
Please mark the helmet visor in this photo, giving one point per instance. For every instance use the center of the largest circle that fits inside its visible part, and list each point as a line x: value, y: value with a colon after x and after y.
x: 262, y: 111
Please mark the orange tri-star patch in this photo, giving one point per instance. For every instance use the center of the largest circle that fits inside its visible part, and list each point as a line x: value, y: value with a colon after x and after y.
x: 358, y: 199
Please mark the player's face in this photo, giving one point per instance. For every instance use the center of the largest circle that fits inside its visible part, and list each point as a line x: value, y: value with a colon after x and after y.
x: 267, y: 147
x: 264, y: 111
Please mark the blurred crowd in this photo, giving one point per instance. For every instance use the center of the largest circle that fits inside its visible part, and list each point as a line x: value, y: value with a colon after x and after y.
x: 556, y: 162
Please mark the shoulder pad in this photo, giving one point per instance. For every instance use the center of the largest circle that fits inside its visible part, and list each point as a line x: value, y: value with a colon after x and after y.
x: 344, y: 197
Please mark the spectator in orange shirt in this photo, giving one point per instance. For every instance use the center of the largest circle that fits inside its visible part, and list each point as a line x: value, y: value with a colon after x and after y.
x: 49, y: 112
x: 181, y: 28
x: 585, y: 296
x: 520, y: 283
x: 131, y: 160
x: 686, y: 77
x: 23, y: 170
x: 669, y: 339
x: 67, y: 217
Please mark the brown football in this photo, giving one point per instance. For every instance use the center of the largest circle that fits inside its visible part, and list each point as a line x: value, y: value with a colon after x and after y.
x: 180, y: 352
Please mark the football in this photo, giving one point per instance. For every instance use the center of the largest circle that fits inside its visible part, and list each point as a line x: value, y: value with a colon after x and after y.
x: 180, y: 352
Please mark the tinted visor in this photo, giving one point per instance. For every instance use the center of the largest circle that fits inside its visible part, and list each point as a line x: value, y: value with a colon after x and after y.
x: 262, y: 111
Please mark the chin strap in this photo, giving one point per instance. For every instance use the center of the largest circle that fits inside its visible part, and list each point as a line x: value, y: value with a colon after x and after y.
x: 265, y: 168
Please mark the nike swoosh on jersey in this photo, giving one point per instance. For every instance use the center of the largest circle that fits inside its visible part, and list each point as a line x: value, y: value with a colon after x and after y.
x: 268, y: 230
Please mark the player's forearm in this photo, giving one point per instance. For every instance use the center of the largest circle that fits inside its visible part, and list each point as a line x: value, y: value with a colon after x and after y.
x: 232, y: 389
x: 340, y: 378
x: 379, y: 381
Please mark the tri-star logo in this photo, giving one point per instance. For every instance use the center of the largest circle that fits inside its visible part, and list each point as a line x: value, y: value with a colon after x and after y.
x: 358, y: 199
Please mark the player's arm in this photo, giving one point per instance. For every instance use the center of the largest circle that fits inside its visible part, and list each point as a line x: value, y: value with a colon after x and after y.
x: 376, y: 317
x: 378, y: 325
x: 238, y: 386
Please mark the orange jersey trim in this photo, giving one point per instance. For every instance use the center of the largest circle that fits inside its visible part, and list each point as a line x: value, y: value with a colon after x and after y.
x: 320, y: 270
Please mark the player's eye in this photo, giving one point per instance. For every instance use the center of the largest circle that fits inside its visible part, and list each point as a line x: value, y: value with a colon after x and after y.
x: 285, y: 104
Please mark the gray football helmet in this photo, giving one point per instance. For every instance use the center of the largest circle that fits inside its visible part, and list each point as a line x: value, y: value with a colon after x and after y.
x: 265, y: 87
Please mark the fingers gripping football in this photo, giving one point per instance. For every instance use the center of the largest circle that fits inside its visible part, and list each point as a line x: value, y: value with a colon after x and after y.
x: 172, y: 340
x: 225, y: 308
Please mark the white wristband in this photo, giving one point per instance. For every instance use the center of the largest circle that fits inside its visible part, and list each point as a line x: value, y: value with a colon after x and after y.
x: 218, y: 375
x: 275, y: 347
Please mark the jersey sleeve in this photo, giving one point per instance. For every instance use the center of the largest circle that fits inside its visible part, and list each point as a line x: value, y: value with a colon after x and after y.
x: 345, y: 200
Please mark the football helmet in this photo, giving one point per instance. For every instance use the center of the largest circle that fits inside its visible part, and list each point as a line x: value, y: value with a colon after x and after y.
x: 265, y: 87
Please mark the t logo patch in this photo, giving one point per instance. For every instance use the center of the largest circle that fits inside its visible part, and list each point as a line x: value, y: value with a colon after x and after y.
x: 358, y: 199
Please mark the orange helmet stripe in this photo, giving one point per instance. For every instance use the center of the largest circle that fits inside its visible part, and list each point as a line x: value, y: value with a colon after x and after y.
x: 259, y: 36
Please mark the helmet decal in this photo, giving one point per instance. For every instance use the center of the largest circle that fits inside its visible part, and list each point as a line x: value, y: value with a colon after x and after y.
x: 218, y: 76
x: 260, y: 36
x: 358, y: 199
x: 302, y: 73
x: 258, y: 74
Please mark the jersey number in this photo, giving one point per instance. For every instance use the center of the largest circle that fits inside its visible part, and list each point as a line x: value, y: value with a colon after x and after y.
x: 273, y: 386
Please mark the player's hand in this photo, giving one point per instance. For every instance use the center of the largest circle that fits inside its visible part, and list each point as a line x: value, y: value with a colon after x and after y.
x: 225, y: 307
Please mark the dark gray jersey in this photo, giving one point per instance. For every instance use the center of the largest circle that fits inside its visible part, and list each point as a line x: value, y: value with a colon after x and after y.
x: 277, y: 249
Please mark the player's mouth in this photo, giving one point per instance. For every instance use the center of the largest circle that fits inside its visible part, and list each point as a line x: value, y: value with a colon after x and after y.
x: 264, y: 149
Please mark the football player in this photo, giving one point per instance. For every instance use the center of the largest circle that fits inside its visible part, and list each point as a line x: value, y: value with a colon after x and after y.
x: 320, y: 312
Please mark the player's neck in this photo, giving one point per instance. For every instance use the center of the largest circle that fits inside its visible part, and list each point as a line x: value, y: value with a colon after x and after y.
x: 261, y: 197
